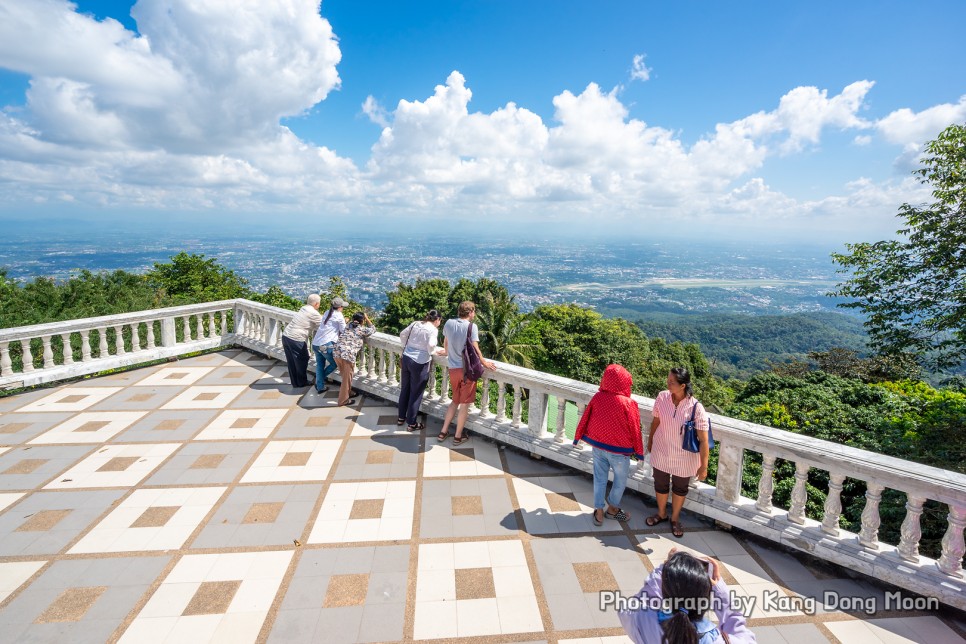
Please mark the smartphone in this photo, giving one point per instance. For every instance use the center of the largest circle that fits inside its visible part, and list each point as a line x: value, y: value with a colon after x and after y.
x: 710, y: 567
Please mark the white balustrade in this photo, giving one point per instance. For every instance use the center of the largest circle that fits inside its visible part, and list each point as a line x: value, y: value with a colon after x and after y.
x: 258, y: 327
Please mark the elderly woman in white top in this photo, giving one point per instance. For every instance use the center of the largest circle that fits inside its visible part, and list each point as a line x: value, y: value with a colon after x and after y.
x: 296, y: 334
x: 419, y: 340
x: 333, y: 324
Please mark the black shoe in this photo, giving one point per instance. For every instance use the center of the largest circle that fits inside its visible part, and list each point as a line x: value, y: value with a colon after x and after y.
x: 354, y: 393
x: 330, y: 381
x: 322, y: 390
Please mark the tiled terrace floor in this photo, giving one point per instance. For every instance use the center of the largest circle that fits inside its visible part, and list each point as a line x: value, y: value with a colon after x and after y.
x: 205, y: 500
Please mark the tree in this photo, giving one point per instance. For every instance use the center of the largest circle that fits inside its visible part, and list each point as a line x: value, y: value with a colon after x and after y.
x: 192, y: 278
x: 913, y: 290
x: 501, y: 329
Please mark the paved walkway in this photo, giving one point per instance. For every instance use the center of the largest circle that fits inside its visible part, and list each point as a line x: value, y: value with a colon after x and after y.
x: 205, y: 500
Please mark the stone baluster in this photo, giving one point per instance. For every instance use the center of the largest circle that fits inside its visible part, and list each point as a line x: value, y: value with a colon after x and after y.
x: 150, y: 334
x: 48, y: 352
x: 136, y: 337
x: 796, y: 513
x: 68, y: 352
x: 371, y: 362
x: 119, y: 340
x: 394, y: 358
x: 199, y: 327
x: 186, y: 328
x: 444, y: 387
x: 560, y: 432
x: 581, y: 406
x: 911, y: 532
x: 85, y: 345
x: 381, y: 367
x: 224, y: 323
x: 6, y: 364
x: 869, y: 534
x: 953, y: 548
x: 517, y: 406
x: 833, y: 505
x: 766, y: 485
x: 102, y: 349
x: 485, y: 397
x: 501, y: 402
x: 28, y: 357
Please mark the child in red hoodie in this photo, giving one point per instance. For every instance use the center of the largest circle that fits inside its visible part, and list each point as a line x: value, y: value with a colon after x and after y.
x: 612, y: 425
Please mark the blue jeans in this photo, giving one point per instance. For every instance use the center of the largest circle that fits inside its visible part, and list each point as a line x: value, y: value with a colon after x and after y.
x: 605, y: 461
x: 324, y: 363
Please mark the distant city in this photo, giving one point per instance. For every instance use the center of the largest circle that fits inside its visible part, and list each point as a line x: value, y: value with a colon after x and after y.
x: 621, y: 277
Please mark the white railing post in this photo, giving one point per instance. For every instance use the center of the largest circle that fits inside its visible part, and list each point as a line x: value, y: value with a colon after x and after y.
x: 869, y: 535
x: 67, y: 350
x: 833, y: 505
x: 766, y: 485
x: 150, y: 334
x: 48, y: 352
x: 796, y: 512
x: 728, y: 479
x: 561, y: 430
x: 119, y: 340
x: 953, y: 548
x: 911, y: 531
x: 169, y: 336
x: 517, y: 406
x: 28, y: 357
x: 6, y: 365
x: 86, y: 345
x: 484, y: 396
x: 537, y: 413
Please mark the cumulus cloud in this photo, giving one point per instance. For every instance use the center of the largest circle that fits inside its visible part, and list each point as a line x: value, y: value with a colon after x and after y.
x: 640, y: 71
x: 912, y: 129
x: 186, y: 113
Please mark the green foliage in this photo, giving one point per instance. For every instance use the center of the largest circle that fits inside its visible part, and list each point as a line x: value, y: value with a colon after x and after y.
x: 408, y: 303
x: 502, y: 329
x: 742, y: 345
x: 192, y: 278
x: 579, y: 343
x: 913, y: 290
x: 275, y: 296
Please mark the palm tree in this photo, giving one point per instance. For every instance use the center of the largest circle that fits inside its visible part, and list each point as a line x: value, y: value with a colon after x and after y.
x: 501, y: 325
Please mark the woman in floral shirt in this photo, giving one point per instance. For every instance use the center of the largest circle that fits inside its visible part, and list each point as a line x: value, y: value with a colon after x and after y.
x: 347, y: 348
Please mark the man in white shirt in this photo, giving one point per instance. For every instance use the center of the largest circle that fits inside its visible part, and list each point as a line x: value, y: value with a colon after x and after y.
x: 333, y: 324
x: 296, y: 334
x: 463, y: 391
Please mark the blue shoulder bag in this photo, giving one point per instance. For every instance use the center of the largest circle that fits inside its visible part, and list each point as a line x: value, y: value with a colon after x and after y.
x: 690, y: 443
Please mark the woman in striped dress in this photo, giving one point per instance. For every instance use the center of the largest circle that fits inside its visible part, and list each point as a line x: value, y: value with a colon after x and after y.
x: 673, y: 465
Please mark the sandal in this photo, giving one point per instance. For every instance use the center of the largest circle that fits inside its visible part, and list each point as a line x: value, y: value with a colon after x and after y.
x: 596, y: 520
x: 400, y: 422
x: 415, y: 427
x: 351, y: 401
x: 676, y: 529
x: 655, y: 519
x: 620, y: 515
x: 442, y: 436
x: 459, y: 440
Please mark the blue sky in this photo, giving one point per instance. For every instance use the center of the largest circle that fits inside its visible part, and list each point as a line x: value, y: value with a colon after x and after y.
x: 762, y: 118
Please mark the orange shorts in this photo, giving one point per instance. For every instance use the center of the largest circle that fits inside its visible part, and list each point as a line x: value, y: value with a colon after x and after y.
x: 463, y: 391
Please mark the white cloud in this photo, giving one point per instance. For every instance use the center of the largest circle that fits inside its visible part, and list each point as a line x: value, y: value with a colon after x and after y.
x: 186, y: 115
x: 913, y: 129
x: 640, y: 71
x: 376, y: 112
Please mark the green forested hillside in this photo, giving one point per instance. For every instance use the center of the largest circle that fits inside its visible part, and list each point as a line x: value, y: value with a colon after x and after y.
x: 742, y: 345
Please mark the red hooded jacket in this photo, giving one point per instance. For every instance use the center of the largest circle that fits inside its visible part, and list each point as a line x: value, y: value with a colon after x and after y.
x: 612, y: 421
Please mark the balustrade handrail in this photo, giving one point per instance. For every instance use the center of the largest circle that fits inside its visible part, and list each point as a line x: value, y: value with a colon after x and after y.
x: 84, y: 324
x: 259, y: 327
x: 937, y: 484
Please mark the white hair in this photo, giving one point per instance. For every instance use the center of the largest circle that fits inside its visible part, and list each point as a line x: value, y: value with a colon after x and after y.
x: 313, y: 299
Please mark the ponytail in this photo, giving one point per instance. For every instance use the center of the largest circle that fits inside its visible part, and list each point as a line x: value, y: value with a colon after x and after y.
x: 679, y: 629
x: 328, y: 315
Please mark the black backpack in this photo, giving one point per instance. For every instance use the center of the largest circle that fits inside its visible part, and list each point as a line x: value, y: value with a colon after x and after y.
x: 472, y: 365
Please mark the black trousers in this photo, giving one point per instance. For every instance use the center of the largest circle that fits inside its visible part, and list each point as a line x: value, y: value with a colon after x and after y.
x: 297, y: 358
x: 412, y: 387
